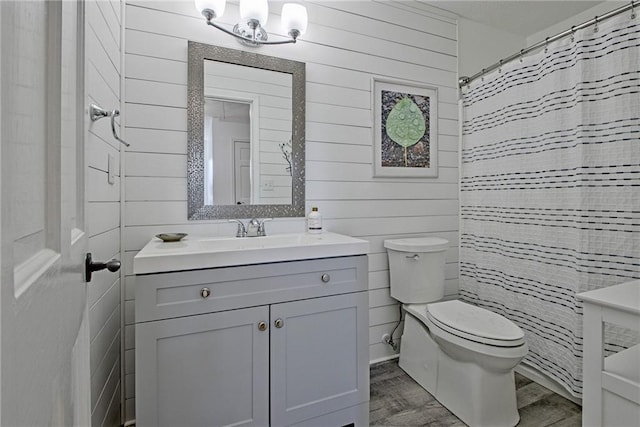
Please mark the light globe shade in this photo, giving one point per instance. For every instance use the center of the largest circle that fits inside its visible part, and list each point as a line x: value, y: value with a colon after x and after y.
x: 294, y: 17
x: 216, y: 5
x: 254, y: 9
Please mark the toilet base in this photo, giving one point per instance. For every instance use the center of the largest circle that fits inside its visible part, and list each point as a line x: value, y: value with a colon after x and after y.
x: 477, y: 396
x: 419, y: 354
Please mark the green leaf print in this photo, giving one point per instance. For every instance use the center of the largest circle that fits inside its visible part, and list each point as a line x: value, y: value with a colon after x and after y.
x: 405, y: 123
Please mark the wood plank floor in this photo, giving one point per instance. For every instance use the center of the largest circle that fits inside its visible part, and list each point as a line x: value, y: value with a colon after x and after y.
x: 397, y: 400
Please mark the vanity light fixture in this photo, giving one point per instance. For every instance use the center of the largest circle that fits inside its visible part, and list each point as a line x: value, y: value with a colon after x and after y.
x: 254, y: 14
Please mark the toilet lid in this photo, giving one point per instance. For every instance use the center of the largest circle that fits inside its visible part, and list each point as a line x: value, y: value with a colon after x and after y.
x: 417, y: 244
x: 475, y: 323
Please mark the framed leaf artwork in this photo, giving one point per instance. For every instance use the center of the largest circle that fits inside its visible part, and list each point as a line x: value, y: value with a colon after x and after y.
x: 405, y: 121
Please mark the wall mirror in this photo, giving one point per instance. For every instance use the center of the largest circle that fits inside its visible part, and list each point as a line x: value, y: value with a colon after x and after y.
x: 246, y: 125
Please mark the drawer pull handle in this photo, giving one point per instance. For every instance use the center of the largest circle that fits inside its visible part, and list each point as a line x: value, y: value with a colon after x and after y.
x: 262, y: 326
x: 325, y: 278
x: 279, y: 323
x: 205, y: 292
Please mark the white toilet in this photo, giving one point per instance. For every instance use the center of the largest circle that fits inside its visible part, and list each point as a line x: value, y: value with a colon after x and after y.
x: 462, y: 354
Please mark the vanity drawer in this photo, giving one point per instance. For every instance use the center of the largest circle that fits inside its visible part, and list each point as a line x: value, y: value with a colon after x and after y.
x: 184, y: 293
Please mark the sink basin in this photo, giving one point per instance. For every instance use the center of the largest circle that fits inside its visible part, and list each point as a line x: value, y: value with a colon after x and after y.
x: 276, y: 241
x: 195, y: 252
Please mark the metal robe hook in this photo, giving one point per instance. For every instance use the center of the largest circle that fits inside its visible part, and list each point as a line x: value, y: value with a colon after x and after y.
x: 97, y: 113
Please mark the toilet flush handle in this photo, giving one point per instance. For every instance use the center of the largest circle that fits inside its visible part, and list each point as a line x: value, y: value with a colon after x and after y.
x: 413, y: 257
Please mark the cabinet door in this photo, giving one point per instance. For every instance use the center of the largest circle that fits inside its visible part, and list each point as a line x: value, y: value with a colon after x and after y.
x: 319, y: 356
x: 206, y: 370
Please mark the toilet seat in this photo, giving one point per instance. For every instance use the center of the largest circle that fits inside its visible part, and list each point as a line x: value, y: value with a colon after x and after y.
x: 469, y: 322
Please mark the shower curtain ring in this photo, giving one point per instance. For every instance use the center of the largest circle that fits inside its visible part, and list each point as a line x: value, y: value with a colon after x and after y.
x: 521, y: 54
x: 633, y: 10
x: 546, y: 45
x: 482, y: 75
x: 595, y: 26
x: 500, y: 66
x: 573, y: 33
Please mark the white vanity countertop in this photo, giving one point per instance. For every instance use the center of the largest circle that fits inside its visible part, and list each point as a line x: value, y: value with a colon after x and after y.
x: 197, y: 252
x: 625, y: 296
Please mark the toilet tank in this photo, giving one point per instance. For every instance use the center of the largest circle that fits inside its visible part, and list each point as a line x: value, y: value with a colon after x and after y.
x: 416, y: 268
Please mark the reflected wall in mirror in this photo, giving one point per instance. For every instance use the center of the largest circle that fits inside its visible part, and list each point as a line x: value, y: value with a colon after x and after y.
x: 246, y: 116
x: 247, y: 134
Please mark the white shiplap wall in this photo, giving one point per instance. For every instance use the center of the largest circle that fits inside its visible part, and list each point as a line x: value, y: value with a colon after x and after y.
x: 103, y: 20
x: 346, y: 45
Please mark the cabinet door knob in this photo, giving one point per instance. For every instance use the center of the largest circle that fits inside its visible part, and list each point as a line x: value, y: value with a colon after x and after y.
x: 205, y: 292
x: 325, y: 278
x: 279, y: 323
x: 262, y: 326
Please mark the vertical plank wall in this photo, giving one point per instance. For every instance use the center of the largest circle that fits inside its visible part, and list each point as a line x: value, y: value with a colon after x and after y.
x: 102, y: 86
x: 347, y: 43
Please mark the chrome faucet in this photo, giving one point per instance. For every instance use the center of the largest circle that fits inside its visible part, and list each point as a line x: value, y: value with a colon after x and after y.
x: 254, y: 228
x: 261, y: 230
x: 241, y: 232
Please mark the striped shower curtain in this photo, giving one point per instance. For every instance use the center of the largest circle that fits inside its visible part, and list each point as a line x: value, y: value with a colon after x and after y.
x: 550, y: 189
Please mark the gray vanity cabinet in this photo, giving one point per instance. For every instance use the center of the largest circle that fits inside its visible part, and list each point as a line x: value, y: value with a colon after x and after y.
x: 278, y: 344
x: 206, y: 370
x: 319, y: 357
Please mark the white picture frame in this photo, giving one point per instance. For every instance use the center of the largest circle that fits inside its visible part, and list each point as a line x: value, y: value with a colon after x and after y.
x: 396, y: 159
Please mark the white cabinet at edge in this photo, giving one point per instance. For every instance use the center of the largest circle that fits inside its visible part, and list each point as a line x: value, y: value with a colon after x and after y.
x: 277, y: 344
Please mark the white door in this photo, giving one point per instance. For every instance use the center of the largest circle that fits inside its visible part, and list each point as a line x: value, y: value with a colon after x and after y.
x: 44, y: 334
x: 242, y: 171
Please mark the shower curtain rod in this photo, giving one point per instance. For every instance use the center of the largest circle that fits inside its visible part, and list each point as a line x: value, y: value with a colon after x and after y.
x: 463, y: 81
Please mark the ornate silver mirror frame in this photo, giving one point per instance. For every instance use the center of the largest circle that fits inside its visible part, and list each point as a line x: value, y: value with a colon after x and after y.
x: 197, y: 210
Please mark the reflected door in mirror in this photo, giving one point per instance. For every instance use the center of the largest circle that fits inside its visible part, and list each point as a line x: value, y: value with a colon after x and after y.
x: 226, y: 123
x: 242, y: 172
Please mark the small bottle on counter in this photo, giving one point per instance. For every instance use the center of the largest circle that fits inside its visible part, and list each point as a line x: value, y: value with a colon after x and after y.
x: 314, y: 221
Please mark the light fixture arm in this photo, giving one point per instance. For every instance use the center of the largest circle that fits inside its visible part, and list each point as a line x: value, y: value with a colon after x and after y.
x: 210, y: 16
x: 258, y: 35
